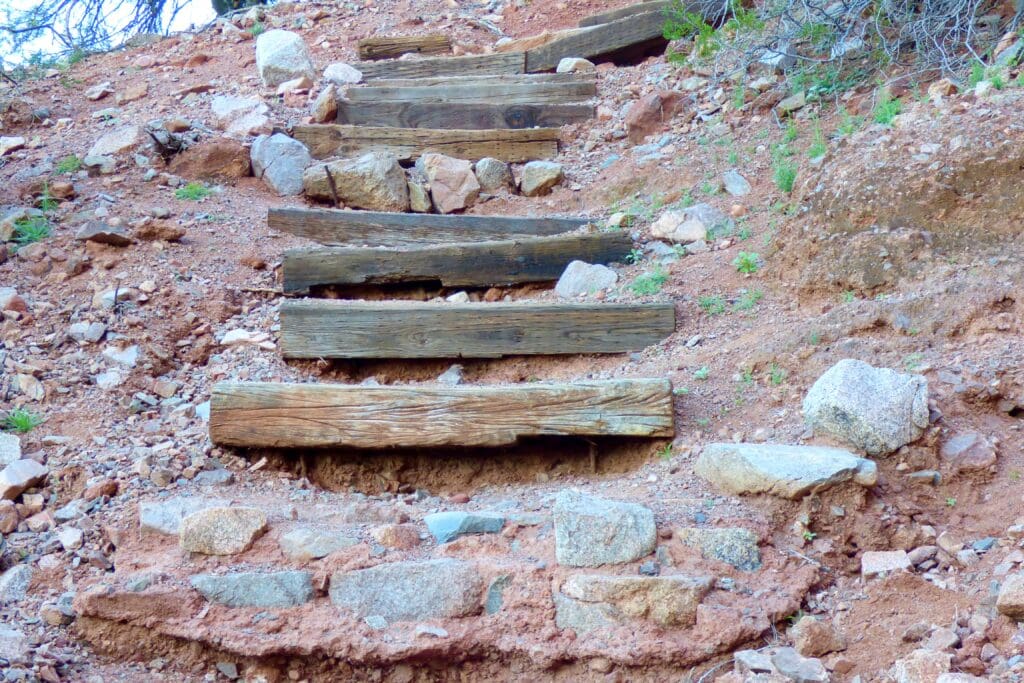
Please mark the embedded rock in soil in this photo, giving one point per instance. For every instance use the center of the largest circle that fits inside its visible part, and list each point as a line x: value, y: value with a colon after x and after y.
x: 409, y: 591
x: 539, y: 177
x: 101, y: 233
x: 875, y: 409
x: 493, y: 175
x: 116, y: 141
x: 691, y: 224
x: 969, y: 452
x: 280, y: 161
x: 221, y: 530
x: 374, y: 181
x: 309, y: 544
x: 781, y: 470
x: 735, y: 546
x: 10, y: 448
x: 256, y: 589
x: 922, y: 666
x: 20, y: 475
x: 1011, y: 597
x: 796, y: 668
x: 164, y: 516
x: 14, y: 583
x: 591, y: 531
x: 814, y: 637
x: 583, y: 617
x: 447, y: 526
x: 453, y: 186
x: 217, y: 158
x: 14, y: 646
x: 340, y: 73
x: 875, y: 562
x: 575, y: 65
x: 282, y: 56
x: 580, y: 278
x: 325, y: 107
x: 735, y: 184
x: 650, y: 113
x: 665, y: 600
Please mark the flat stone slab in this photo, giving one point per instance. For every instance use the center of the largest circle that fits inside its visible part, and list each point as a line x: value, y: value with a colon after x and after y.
x: 409, y: 591
x: 20, y: 475
x: 10, y: 449
x: 665, y: 600
x: 256, y: 589
x: 781, y: 470
x: 875, y: 562
x: 221, y: 530
x: 447, y: 526
x: 309, y: 543
x: 592, y: 531
x: 164, y: 516
x: 1011, y: 597
x: 735, y: 546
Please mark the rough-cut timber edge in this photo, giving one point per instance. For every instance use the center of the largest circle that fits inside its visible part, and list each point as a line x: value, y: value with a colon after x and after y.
x: 547, y: 92
x: 497, y: 79
x: 462, y: 115
x: 628, y: 11
x: 434, y: 67
x: 514, y: 146
x: 477, y: 264
x: 387, y: 48
x: 354, y: 228
x: 317, y: 328
x: 598, y: 40
x: 278, y: 415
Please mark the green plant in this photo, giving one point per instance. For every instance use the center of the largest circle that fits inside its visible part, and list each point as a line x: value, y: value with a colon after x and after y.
x: 31, y: 229
x: 784, y: 175
x: 69, y: 164
x: 848, y: 297
x: 709, y: 188
x: 712, y: 305
x: 681, y: 391
x: 256, y: 29
x: 649, y: 283
x: 193, y: 192
x: 747, y: 262
x: 47, y: 202
x: 734, y: 158
x: 635, y: 256
x: 745, y: 233
x: 748, y: 300
x: 818, y: 146
x: 701, y: 373
x: 746, y: 379
x: 977, y: 74
x: 776, y: 375
x: 703, y: 422
x: 913, y: 361
x: 997, y: 81
x: 793, y: 618
x: 814, y: 338
x: 849, y: 123
x: 1015, y: 475
x: 886, y: 109
x: 951, y: 502
x: 22, y: 420
x: 665, y: 452
x: 809, y: 535
x: 792, y: 132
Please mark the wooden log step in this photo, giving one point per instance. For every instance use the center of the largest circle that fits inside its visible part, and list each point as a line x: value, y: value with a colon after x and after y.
x: 495, y: 79
x: 478, y: 264
x: 387, y: 48
x: 320, y: 328
x: 462, y: 115
x: 436, y: 67
x: 512, y: 145
x: 499, y: 93
x: 346, y: 228
x: 628, y: 11
x: 598, y: 40
x: 257, y: 414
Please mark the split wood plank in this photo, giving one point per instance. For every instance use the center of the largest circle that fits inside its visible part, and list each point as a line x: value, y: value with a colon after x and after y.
x: 477, y: 264
x: 512, y: 145
x: 511, y: 79
x: 280, y: 415
x: 628, y: 11
x: 435, y: 67
x: 320, y: 328
x: 340, y: 228
x: 598, y: 40
x: 388, y: 48
x: 557, y: 92
x: 462, y: 115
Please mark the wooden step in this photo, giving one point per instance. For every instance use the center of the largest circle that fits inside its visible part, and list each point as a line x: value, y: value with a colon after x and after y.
x: 464, y: 116
x: 486, y: 80
x: 515, y: 146
x: 545, y: 92
x: 348, y: 416
x: 435, y: 67
x: 628, y: 11
x: 478, y: 264
x: 387, y: 48
x: 356, y: 228
x: 595, y: 41
x: 319, y: 328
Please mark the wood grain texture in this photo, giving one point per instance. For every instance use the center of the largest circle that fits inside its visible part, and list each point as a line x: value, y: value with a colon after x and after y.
x: 353, y: 228
x: 630, y: 10
x: 493, y: 79
x: 496, y: 93
x: 463, y: 116
x: 597, y: 40
x: 332, y: 415
x: 514, y: 146
x: 436, y: 67
x: 387, y: 48
x: 481, y: 264
x: 318, y: 328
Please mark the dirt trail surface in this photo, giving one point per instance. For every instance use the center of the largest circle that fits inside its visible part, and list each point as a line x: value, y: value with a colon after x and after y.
x: 145, y: 552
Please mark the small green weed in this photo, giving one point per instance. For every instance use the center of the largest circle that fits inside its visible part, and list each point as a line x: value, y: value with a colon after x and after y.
x: 951, y: 502
x: 31, y: 229
x: 784, y: 175
x: 745, y: 233
x: 635, y: 256
x: 776, y: 375
x: 1015, y: 475
x: 977, y: 74
x: 747, y: 262
x: 809, y: 535
x: 681, y: 391
x: 849, y: 124
x: 69, y: 164
x: 22, y: 420
x: 649, y: 283
x: 712, y: 305
x: 818, y: 146
x: 665, y: 452
x: 257, y: 29
x: 193, y: 192
x: 792, y: 132
x: 702, y: 373
x: 748, y: 300
x: 848, y: 297
x: 703, y: 422
x: 814, y: 338
x: 913, y: 361
x: 887, y: 109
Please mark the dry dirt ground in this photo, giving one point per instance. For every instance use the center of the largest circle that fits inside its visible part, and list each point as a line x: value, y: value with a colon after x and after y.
x: 899, y: 248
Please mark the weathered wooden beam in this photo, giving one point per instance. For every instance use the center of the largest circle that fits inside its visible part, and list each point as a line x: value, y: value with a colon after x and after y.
x: 320, y: 328
x: 512, y: 145
x: 351, y: 416
x: 598, y: 40
x: 499, y: 93
x: 495, y: 79
x: 462, y: 115
x: 348, y: 228
x: 628, y: 11
x: 434, y: 67
x: 387, y: 48
x: 479, y: 264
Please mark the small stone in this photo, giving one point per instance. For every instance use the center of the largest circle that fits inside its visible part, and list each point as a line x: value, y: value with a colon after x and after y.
x: 691, y: 224
x: 735, y: 546
x: 9, y: 517
x: 127, y: 356
x: 665, y: 600
x: 374, y: 181
x: 280, y: 162
x: 221, y: 530
x: 281, y: 56
x: 539, y: 177
x: 874, y: 562
x: 228, y: 669
x: 814, y: 637
x: 969, y: 452
x: 1010, y: 601
x: 340, y: 73
x: 14, y: 646
x: 302, y: 545
x: 792, y: 103
x: 14, y: 584
x: 410, y: 591
x: 99, y: 91
x: 922, y: 666
x: 87, y: 332
x: 495, y: 594
x: 325, y: 107
x: 447, y: 526
x: 453, y: 185
x: 20, y: 475
x: 790, y: 664
x: 301, y: 83
x: 493, y: 175
x: 575, y: 65
x: 592, y: 531
x: 70, y: 538
x: 256, y: 589
x: 397, y: 536
x: 217, y: 477
x: 942, y: 639
x: 735, y: 184
x: 10, y: 144
x: 452, y: 376
x: 580, y: 278
x: 10, y: 448
x: 118, y: 141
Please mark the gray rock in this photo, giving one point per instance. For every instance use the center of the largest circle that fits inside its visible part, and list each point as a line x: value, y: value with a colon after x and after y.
x: 101, y: 233
x: 735, y: 184
x: 691, y: 224
x: 665, y: 600
x: 127, y: 356
x: 781, y: 470
x: 575, y: 65
x: 256, y: 589
x: 117, y: 141
x: 419, y: 198
x: 921, y: 666
x: 447, y: 526
x: 228, y: 669
x: 410, y: 591
x: 14, y: 647
x: 452, y: 376
x: 280, y: 161
x: 874, y: 562
x: 227, y: 109
x: 218, y: 477
x: 580, y: 278
x: 453, y: 185
x: 583, y: 617
x: 308, y: 543
x: 1010, y: 600
x: 341, y: 74
x: 164, y: 516
x: 735, y: 546
x: 221, y: 530
x: 374, y: 181
x: 790, y: 664
x: 539, y: 177
x: 495, y: 594
x: 14, y: 584
x: 20, y: 475
x: 875, y: 409
x: 87, y: 332
x: 282, y: 56
x: 493, y: 175
x: 591, y: 531
x: 969, y: 451
x: 10, y: 448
